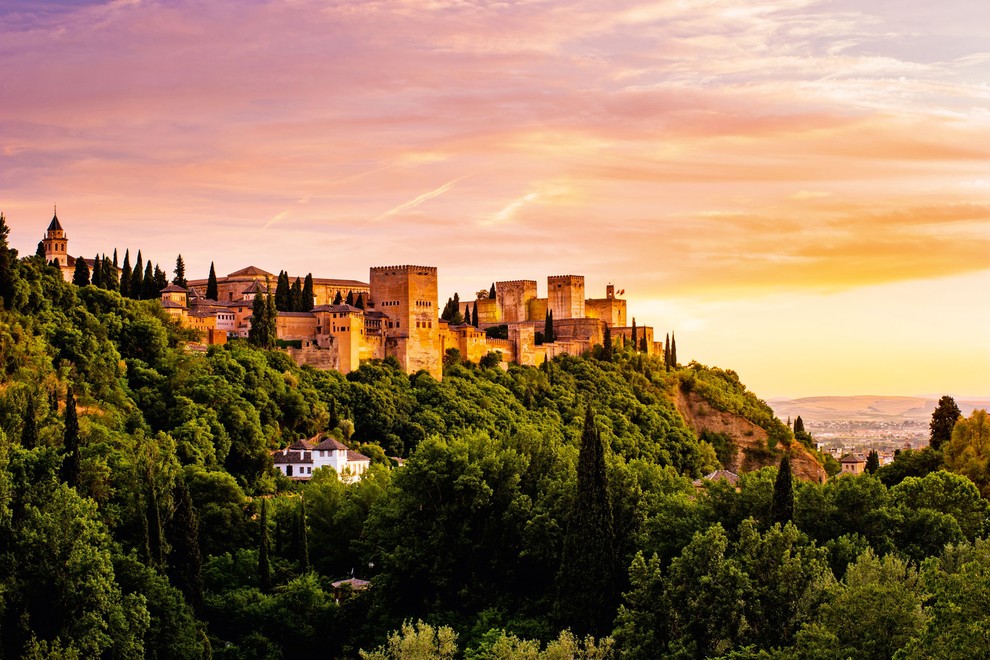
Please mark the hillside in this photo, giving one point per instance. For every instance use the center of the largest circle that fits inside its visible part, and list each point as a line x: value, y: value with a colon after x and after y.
x: 819, y: 409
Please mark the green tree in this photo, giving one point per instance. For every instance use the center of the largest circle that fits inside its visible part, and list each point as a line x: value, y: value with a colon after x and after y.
x: 548, y: 335
x: 491, y: 292
x: 607, y: 344
x: 635, y: 336
x: 643, y: 346
x: 282, y: 292
x: 587, y: 576
x: 359, y: 303
x: 798, y: 425
x: 211, y: 284
x: 338, y: 299
x: 8, y: 259
x: 263, y: 331
x: 137, y: 278
x: 943, y: 420
x: 666, y: 352
x: 71, y: 461
x: 110, y: 275
x: 673, y: 350
x: 467, y: 314
x: 968, y: 453
x: 873, y: 462
x: 96, y: 279
x: 308, y: 296
x: 303, y: 537
x: 185, y: 560
x: 349, y: 300
x: 125, y: 275
x: 40, y: 251
x: 295, y: 296
x: 180, y: 273
x: 150, y: 284
x: 419, y: 641
x: 782, y: 507
x: 29, y: 432
x: 80, y: 277
x: 264, y: 563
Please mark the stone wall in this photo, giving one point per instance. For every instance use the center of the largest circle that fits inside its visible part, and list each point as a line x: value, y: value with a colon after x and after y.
x: 565, y: 296
x: 324, y: 359
x: 513, y: 299
x: 408, y: 296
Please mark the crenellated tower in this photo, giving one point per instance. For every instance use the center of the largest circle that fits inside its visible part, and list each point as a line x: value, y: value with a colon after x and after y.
x: 407, y: 295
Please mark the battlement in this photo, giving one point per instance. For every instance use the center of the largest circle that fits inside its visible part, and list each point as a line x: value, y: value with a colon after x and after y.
x: 565, y: 277
x: 404, y: 269
x: 533, y: 282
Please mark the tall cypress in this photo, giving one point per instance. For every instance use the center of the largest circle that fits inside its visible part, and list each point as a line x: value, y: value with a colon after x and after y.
x: 282, y: 292
x: 96, y: 279
x: 115, y: 259
x: 308, y: 295
x: 782, y: 506
x: 303, y: 537
x: 467, y: 314
x: 359, y: 303
x: 643, y: 345
x: 149, y: 286
x: 635, y: 337
x: 81, y: 275
x: 673, y: 350
x: 211, y: 284
x: 110, y: 278
x: 40, y: 251
x: 264, y: 563
x: 350, y: 298
x: 586, y: 596
x: 873, y: 462
x: 154, y: 515
x: 180, y: 273
x: 137, y: 278
x: 491, y: 292
x: 474, y: 319
x: 8, y: 259
x: 798, y: 425
x: 295, y: 296
x: 607, y: 344
x: 71, y: 461
x: 29, y: 432
x: 259, y: 314
x: 185, y: 560
x: 125, y: 275
x: 338, y: 299
x: 548, y: 336
x: 666, y: 352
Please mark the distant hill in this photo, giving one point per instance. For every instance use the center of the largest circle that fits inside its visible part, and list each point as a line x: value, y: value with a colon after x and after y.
x: 866, y: 408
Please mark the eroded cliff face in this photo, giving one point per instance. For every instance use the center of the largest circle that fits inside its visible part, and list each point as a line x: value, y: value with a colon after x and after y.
x: 749, y: 439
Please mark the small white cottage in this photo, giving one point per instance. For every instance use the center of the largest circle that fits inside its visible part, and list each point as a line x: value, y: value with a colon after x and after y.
x: 298, y: 460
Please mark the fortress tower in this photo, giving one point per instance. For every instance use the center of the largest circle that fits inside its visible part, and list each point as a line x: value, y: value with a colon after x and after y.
x: 407, y: 295
x: 565, y: 296
x: 56, y: 243
x: 514, y: 297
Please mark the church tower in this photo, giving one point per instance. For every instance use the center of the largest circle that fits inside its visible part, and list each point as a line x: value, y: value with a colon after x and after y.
x: 56, y: 243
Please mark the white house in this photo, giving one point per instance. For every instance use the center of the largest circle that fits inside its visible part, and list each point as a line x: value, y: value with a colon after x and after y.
x: 298, y: 460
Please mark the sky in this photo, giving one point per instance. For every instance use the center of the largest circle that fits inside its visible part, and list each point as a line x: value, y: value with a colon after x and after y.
x: 799, y: 189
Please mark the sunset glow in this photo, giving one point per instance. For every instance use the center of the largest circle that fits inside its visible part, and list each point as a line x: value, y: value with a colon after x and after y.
x: 800, y: 189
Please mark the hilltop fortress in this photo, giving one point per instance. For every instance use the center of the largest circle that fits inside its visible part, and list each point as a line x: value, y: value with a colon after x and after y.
x: 399, y: 316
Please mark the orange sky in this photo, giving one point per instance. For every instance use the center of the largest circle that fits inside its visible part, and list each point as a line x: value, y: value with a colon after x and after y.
x: 801, y: 190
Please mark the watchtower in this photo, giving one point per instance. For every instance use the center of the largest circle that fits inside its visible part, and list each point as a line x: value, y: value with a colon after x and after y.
x: 407, y: 295
x: 56, y: 243
x: 565, y: 296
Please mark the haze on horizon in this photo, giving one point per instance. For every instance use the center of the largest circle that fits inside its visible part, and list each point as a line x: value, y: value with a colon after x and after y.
x: 800, y: 189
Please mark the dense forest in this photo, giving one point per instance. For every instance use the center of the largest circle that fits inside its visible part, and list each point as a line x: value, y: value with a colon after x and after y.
x: 509, y: 513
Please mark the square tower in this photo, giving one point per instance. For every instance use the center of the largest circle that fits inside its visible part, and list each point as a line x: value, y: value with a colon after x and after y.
x: 513, y: 299
x: 565, y: 296
x: 407, y: 295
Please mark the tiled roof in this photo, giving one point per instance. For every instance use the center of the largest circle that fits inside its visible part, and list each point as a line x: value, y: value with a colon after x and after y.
x: 55, y: 224
x: 302, y: 444
x: 338, y: 309
x: 256, y: 287
x: 250, y: 271
x: 296, y: 314
x: 173, y: 288
x: 353, y: 456
x: 286, y: 456
x: 852, y: 458
x: 171, y: 304
x: 330, y: 443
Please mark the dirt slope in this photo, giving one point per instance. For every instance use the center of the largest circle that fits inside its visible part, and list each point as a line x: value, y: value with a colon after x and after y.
x: 700, y: 417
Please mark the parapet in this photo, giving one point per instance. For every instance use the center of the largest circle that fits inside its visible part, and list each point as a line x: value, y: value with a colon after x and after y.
x: 432, y: 270
x: 514, y: 282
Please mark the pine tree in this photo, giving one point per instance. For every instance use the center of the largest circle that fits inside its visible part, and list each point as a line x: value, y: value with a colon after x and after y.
x: 81, y: 275
x: 798, y: 425
x: 111, y: 281
x: 635, y: 337
x: 303, y: 537
x: 359, y: 303
x: 295, y: 296
x: 943, y: 421
x: 264, y: 564
x: 548, y: 336
x: 282, y: 292
x: 125, y: 275
x: 673, y: 350
x: 96, y: 279
x: 180, y: 273
x: 211, y: 284
x: 185, y: 560
x: 149, y: 288
x: 338, y: 299
x: 782, y: 506
x: 308, y: 295
x: 607, y: 344
x: 71, y: 461
x: 8, y: 260
x: 587, y: 576
x: 137, y: 278
x: 491, y: 292
x: 29, y: 432
x: 872, y: 462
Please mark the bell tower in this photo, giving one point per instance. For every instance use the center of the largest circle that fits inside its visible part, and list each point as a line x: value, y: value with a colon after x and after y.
x: 56, y: 242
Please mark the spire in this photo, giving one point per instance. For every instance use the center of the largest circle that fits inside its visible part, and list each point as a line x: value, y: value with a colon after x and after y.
x: 55, y: 225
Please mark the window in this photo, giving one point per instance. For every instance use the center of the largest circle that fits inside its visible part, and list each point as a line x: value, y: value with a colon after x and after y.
x: 288, y: 470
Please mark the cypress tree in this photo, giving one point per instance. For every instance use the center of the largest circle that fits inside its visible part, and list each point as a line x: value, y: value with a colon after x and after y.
x: 115, y: 258
x: 262, y: 332
x: 295, y: 296
x: 154, y: 515
x: 137, y: 278
x: 338, y: 299
x: 359, y: 303
x: 159, y: 281
x: 81, y: 275
x: 185, y: 560
x: 467, y: 314
x: 110, y: 278
x: 308, y: 295
x: 71, y: 461
x: 8, y: 258
x: 96, y: 279
x: 29, y: 432
x: 635, y: 337
x: 491, y: 292
x: 264, y: 564
x: 475, y: 317
x: 587, y: 576
x: 211, y: 284
x: 282, y: 302
x: 643, y: 346
x: 782, y: 507
x: 334, y: 420
x: 350, y: 298
x: 798, y: 425
x: 872, y: 462
x: 607, y: 344
x: 548, y: 337
x: 673, y: 350
x: 40, y: 252
x: 149, y: 287
x: 666, y: 352
x: 303, y: 537
x: 180, y: 273
x: 272, y: 320
x: 943, y: 421
x: 125, y: 275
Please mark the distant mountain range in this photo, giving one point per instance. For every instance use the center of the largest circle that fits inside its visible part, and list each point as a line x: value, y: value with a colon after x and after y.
x: 866, y: 408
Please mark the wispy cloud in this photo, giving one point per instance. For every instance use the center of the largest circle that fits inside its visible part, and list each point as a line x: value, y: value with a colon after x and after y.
x: 419, y: 199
